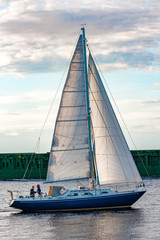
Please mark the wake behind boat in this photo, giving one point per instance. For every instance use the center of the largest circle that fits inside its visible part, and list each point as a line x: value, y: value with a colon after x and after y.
x: 88, y: 144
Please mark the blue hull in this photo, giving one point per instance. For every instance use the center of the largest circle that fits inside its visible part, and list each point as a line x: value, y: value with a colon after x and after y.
x: 118, y: 200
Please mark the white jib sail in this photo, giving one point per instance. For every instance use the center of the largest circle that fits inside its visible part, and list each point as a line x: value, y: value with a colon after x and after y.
x: 69, y: 157
x: 114, y: 160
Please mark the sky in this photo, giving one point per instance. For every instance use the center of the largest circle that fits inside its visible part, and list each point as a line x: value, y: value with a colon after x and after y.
x: 37, y: 39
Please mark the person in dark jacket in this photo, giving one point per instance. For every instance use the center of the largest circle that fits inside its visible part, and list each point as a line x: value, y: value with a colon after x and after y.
x: 39, y: 191
x: 32, y: 192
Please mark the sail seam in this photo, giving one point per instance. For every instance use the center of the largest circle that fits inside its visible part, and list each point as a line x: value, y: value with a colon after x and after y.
x: 66, y: 180
x: 108, y: 154
x: 78, y: 62
x: 69, y: 86
x: 73, y: 106
x: 71, y: 120
x: 72, y: 91
x: 76, y: 70
x: 64, y: 150
x: 75, y: 138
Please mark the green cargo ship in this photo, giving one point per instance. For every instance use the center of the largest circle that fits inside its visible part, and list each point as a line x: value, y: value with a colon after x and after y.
x: 23, y: 165
x: 34, y: 166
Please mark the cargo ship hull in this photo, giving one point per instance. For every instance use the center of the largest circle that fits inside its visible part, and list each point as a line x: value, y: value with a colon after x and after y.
x: 34, y: 166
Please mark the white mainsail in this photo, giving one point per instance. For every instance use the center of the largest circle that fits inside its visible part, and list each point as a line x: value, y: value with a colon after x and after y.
x: 69, y: 157
x: 113, y: 158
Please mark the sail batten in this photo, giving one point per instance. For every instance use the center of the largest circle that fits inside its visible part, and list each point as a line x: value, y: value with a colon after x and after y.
x: 75, y: 149
x: 114, y: 161
x: 71, y: 120
x: 68, y: 180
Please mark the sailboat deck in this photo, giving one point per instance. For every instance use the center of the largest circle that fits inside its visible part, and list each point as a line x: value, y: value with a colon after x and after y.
x: 72, y: 194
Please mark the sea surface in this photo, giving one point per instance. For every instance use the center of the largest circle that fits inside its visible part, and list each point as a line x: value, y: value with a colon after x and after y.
x: 141, y: 222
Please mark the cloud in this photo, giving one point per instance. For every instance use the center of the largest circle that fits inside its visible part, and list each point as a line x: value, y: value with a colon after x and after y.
x: 132, y: 59
x: 26, y: 112
x: 12, y: 134
x: 28, y: 120
x: 151, y: 102
x: 140, y: 115
x: 28, y: 97
x: 39, y: 36
x: 157, y: 84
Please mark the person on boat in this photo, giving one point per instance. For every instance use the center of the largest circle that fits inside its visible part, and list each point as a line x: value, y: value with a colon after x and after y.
x: 32, y: 192
x: 92, y: 185
x: 39, y: 191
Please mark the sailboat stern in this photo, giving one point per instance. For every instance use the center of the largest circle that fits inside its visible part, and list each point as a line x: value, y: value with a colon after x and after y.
x: 15, y: 204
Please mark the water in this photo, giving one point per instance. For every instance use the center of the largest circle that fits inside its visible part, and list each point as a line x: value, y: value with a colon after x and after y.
x: 140, y: 222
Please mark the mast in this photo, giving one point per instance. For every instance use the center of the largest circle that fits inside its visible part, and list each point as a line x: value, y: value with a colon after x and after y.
x: 87, y: 99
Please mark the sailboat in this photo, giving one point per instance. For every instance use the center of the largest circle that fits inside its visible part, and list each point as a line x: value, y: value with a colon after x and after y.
x: 88, y: 146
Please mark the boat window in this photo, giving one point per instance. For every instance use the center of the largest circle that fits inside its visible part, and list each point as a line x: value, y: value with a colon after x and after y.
x: 73, y: 194
x: 104, y: 192
x: 7, y: 164
x: 84, y: 193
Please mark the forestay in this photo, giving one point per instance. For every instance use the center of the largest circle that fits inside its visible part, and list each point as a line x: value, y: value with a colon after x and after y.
x: 113, y: 158
x: 69, y: 157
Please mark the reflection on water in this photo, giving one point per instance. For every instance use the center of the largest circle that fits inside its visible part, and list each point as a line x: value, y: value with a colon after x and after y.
x: 96, y: 225
x: 140, y: 222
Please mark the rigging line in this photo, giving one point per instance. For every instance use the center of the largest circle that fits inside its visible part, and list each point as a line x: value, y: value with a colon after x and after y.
x: 31, y: 167
x: 32, y: 157
x: 38, y: 162
x: 89, y: 47
x: 24, y: 176
x: 30, y: 170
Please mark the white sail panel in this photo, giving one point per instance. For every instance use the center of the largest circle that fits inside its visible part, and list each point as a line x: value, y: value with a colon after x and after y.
x: 69, y: 157
x: 113, y: 158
